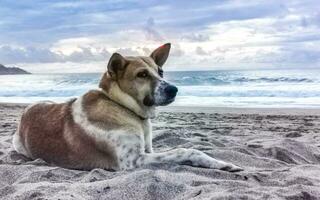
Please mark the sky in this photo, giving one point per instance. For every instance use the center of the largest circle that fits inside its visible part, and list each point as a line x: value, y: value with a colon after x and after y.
x: 45, y: 36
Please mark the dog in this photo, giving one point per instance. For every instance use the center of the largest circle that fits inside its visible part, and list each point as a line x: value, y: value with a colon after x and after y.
x: 108, y: 128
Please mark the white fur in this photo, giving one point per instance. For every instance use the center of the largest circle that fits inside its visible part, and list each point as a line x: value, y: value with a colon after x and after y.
x: 159, y: 96
x: 147, y: 129
x: 182, y: 155
x: 17, y: 144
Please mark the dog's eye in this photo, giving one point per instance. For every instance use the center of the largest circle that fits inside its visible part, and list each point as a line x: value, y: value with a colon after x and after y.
x: 143, y: 74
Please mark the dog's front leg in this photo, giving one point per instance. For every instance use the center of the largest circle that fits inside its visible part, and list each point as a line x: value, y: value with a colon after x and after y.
x: 187, y: 156
x: 148, y: 143
x: 148, y: 136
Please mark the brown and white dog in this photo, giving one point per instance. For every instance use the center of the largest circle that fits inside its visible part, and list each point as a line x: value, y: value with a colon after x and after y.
x: 108, y: 128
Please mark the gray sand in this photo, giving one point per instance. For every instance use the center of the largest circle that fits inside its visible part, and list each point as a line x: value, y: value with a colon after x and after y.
x: 280, y: 155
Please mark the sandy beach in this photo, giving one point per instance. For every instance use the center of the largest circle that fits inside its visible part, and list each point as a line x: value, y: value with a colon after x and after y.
x: 279, y: 150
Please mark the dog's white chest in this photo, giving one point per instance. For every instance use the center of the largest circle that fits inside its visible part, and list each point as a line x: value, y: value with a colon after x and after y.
x: 126, y: 143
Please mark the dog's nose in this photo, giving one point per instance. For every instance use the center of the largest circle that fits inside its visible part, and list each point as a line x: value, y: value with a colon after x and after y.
x: 171, y: 90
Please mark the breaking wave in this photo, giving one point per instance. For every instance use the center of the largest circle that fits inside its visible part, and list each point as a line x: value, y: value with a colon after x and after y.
x: 207, y: 88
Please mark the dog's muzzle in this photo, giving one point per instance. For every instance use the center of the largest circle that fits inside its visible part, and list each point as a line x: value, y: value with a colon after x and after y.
x: 164, y: 94
x: 171, y: 91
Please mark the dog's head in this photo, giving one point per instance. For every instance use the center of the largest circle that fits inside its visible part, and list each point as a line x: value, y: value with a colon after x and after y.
x: 141, y: 77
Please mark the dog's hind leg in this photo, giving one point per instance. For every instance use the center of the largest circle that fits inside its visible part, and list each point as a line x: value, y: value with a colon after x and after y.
x: 187, y: 156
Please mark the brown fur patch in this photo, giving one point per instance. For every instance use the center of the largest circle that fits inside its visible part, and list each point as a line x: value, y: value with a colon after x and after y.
x: 49, y: 132
x: 98, y: 107
x: 103, y: 112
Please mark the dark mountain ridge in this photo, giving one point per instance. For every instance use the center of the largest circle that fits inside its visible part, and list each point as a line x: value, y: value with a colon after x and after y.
x: 11, y: 70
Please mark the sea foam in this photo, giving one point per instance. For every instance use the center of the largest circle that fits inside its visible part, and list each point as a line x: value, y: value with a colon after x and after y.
x: 267, y: 88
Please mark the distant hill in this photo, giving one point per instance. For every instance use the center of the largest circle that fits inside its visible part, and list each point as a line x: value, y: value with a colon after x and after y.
x: 11, y: 70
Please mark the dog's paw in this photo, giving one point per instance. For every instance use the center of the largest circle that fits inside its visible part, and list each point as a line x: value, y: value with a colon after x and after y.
x: 231, y: 168
x: 148, y: 150
x: 225, y: 166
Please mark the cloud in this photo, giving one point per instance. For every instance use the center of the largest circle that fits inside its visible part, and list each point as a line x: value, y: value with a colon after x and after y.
x: 201, y: 52
x: 128, y: 51
x: 11, y: 55
x: 203, y: 33
x: 289, y: 56
x: 87, y: 54
x: 47, y: 21
x: 176, y: 51
x: 196, y: 37
x: 150, y: 31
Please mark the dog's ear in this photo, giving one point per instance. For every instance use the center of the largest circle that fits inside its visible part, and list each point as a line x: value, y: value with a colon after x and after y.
x: 161, y: 54
x: 116, y: 64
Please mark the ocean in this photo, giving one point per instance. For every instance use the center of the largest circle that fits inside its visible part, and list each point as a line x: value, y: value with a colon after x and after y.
x: 251, y: 88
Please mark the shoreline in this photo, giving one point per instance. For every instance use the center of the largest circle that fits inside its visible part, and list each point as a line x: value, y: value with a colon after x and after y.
x: 220, y: 110
x: 241, y: 110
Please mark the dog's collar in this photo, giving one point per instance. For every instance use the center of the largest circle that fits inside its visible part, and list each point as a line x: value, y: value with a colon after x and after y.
x: 139, y: 116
